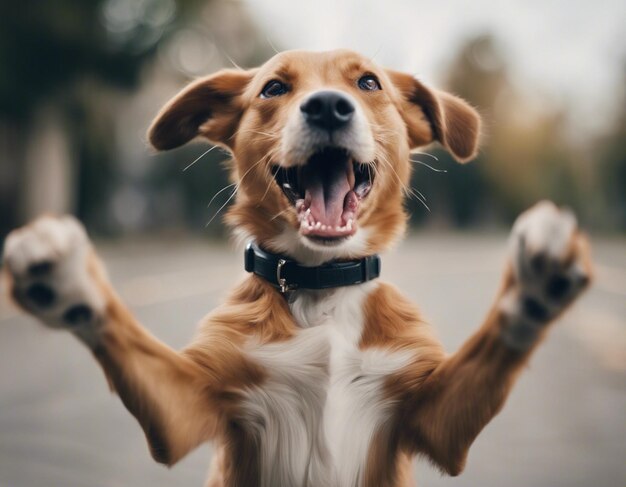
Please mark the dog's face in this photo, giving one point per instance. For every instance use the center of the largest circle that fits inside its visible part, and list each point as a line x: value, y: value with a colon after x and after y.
x: 321, y: 144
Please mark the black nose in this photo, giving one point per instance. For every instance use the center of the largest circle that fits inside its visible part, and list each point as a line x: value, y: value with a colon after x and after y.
x: 327, y: 110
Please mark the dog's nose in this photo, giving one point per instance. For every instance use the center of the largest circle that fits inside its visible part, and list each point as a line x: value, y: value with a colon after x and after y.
x: 328, y: 110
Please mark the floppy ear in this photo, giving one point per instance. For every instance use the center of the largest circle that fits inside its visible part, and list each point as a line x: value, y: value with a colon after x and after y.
x: 210, y: 107
x: 435, y: 115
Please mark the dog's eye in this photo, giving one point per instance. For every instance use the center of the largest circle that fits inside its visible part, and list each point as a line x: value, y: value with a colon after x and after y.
x: 274, y: 88
x: 369, y: 82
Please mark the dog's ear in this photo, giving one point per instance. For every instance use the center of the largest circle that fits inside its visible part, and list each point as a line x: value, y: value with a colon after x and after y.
x: 210, y: 107
x: 435, y: 115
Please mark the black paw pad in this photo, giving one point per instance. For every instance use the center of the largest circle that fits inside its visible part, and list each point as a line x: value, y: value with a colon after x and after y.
x: 40, y: 268
x: 41, y: 294
x: 539, y: 262
x: 534, y: 309
x: 78, y: 315
x: 558, y: 286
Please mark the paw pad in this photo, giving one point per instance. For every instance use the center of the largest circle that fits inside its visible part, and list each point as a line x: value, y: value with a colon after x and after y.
x: 78, y: 315
x: 534, y: 310
x: 558, y: 287
x: 41, y: 294
x: 539, y: 263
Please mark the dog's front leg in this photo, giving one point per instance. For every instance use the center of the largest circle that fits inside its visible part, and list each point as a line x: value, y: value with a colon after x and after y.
x: 549, y: 268
x: 55, y: 275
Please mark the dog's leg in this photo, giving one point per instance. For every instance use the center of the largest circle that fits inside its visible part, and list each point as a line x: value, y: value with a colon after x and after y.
x: 56, y: 276
x: 549, y: 268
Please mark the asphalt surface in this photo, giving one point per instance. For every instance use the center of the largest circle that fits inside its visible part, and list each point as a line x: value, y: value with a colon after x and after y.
x: 564, y: 424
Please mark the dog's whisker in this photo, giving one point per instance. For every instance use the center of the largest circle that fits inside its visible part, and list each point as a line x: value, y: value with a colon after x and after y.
x: 377, y: 52
x: 384, y: 159
x: 200, y: 157
x: 424, y: 204
x: 232, y: 61
x: 269, y: 185
x: 269, y: 41
x: 376, y: 173
x: 222, y: 207
x: 409, y: 191
x: 265, y: 134
x: 420, y: 193
x: 220, y: 192
x: 286, y: 210
x: 237, y: 185
x: 258, y: 132
x: 418, y: 196
x: 251, y: 168
x: 426, y: 154
x: 428, y: 166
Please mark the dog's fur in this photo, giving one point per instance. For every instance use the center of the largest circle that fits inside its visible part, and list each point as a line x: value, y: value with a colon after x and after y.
x: 339, y: 387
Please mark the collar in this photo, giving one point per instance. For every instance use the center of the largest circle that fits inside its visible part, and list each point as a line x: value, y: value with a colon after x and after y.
x: 288, y: 275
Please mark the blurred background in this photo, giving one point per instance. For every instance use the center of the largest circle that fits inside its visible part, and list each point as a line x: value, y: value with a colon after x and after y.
x: 79, y: 84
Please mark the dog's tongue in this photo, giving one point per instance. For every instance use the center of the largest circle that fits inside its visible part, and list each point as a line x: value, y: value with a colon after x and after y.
x: 326, y: 182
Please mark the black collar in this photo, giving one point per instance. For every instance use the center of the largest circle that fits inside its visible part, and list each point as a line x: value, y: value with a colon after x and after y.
x: 287, y: 274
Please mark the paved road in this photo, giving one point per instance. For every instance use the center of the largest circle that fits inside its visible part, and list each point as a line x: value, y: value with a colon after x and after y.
x: 564, y: 425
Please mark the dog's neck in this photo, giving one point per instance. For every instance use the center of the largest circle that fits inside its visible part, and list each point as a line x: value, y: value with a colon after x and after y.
x: 287, y: 274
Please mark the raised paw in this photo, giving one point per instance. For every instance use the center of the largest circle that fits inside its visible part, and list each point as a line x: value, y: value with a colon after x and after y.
x: 47, y: 262
x: 551, y: 267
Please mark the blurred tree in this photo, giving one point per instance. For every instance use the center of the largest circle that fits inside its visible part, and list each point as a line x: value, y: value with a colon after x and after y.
x: 223, y: 31
x: 478, y: 74
x: 525, y: 155
x: 48, y: 49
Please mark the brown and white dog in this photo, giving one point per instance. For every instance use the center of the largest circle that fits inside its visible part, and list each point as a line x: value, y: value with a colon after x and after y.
x: 334, y: 387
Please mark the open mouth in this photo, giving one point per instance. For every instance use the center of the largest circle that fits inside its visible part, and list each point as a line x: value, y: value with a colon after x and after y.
x: 326, y: 193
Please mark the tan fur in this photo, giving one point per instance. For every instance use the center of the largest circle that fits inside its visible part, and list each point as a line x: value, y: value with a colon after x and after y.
x: 182, y: 399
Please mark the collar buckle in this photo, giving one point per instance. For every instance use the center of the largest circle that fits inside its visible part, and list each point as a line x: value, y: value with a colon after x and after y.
x: 283, y: 286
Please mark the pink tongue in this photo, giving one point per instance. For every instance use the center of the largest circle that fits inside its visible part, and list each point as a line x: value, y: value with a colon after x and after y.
x: 325, y: 194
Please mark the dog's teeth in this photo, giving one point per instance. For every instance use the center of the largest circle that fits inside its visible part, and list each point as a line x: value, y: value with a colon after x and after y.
x: 318, y: 225
x: 308, y: 210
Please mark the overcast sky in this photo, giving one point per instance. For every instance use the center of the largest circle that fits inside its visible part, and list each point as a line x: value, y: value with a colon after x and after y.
x: 570, y: 51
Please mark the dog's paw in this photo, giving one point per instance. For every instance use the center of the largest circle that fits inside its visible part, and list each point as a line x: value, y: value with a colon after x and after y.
x: 47, y: 262
x: 551, y: 267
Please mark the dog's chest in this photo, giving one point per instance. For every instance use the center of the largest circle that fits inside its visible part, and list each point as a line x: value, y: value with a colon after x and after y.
x: 323, y: 401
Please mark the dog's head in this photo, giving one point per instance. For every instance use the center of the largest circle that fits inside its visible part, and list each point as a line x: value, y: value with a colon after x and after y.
x: 321, y: 144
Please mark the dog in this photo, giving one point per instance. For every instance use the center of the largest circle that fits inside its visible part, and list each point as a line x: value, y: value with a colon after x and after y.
x: 313, y: 372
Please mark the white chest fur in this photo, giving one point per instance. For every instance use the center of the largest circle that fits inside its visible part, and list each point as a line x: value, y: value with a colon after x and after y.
x: 317, y: 413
